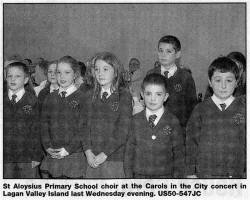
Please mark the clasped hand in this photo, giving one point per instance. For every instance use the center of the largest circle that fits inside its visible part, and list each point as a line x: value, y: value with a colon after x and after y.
x: 57, y: 153
x: 93, y: 160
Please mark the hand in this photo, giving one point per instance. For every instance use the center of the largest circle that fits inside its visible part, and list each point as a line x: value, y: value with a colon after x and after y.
x: 91, y: 158
x: 59, y: 153
x: 51, y: 151
x: 101, y: 158
x: 34, y: 164
x: 192, y: 176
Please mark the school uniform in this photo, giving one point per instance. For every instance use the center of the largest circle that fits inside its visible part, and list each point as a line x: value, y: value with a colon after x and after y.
x: 44, y: 92
x: 63, y: 125
x: 216, y: 139
x: 155, y: 152
x: 109, y: 127
x: 21, y: 135
x: 182, y: 92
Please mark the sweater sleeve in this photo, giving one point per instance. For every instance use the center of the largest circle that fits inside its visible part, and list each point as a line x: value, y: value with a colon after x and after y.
x: 178, y: 150
x: 129, y: 156
x: 44, y: 125
x: 192, y: 137
x: 122, y: 125
x: 80, y: 137
x: 35, y: 135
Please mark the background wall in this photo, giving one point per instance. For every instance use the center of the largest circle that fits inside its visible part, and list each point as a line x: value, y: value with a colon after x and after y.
x: 206, y: 31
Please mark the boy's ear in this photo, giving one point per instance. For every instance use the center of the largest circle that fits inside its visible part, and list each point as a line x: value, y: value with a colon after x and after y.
x: 166, y: 97
x: 77, y: 75
x: 26, y: 79
x: 178, y: 54
x: 142, y: 94
x: 210, y: 83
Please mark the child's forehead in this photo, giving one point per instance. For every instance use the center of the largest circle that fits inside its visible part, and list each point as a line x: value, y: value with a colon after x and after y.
x: 218, y: 73
x: 165, y: 45
x: 52, y: 66
x: 15, y: 69
x: 64, y: 65
x: 154, y: 87
x: 101, y: 63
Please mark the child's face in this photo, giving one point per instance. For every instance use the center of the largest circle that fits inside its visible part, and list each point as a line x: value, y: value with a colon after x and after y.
x: 104, y: 73
x: 16, y: 79
x: 133, y: 65
x: 223, y: 84
x: 167, y: 54
x: 65, y: 75
x: 154, y: 96
x: 39, y: 74
x: 52, y: 74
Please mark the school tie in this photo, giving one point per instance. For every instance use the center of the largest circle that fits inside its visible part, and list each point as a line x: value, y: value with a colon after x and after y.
x: 166, y: 74
x: 104, y: 96
x: 13, y: 99
x: 151, y: 120
x: 63, y: 94
x: 223, y: 106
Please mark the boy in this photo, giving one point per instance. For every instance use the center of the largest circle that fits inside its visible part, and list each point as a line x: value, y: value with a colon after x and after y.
x: 155, y: 147
x: 22, y: 148
x: 216, y: 129
x: 181, y: 86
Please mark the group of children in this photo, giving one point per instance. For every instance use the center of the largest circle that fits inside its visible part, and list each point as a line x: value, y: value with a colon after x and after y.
x: 88, y: 130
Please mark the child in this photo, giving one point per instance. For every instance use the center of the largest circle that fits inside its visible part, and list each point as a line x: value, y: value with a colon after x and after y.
x: 22, y: 147
x: 216, y: 129
x: 240, y: 61
x: 51, y: 84
x: 40, y: 75
x: 63, y: 125
x: 181, y: 86
x: 110, y: 118
x: 155, y: 148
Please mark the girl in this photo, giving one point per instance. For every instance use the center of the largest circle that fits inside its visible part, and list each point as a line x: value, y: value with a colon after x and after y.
x: 63, y: 123
x: 110, y: 118
x: 51, y: 84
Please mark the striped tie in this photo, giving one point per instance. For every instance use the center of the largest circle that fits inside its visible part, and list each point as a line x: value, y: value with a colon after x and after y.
x: 151, y: 120
x: 223, y: 106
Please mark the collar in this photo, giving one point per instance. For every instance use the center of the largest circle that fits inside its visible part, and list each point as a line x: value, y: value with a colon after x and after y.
x: 107, y: 90
x: 69, y: 90
x: 171, y: 71
x: 218, y: 101
x: 19, y: 94
x: 158, y: 113
x: 51, y: 88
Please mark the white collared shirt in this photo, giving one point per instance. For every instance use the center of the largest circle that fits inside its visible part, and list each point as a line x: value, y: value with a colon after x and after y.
x: 158, y: 113
x: 19, y: 94
x: 171, y: 71
x: 108, y: 91
x: 69, y: 90
x: 218, y: 101
x: 51, y: 88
